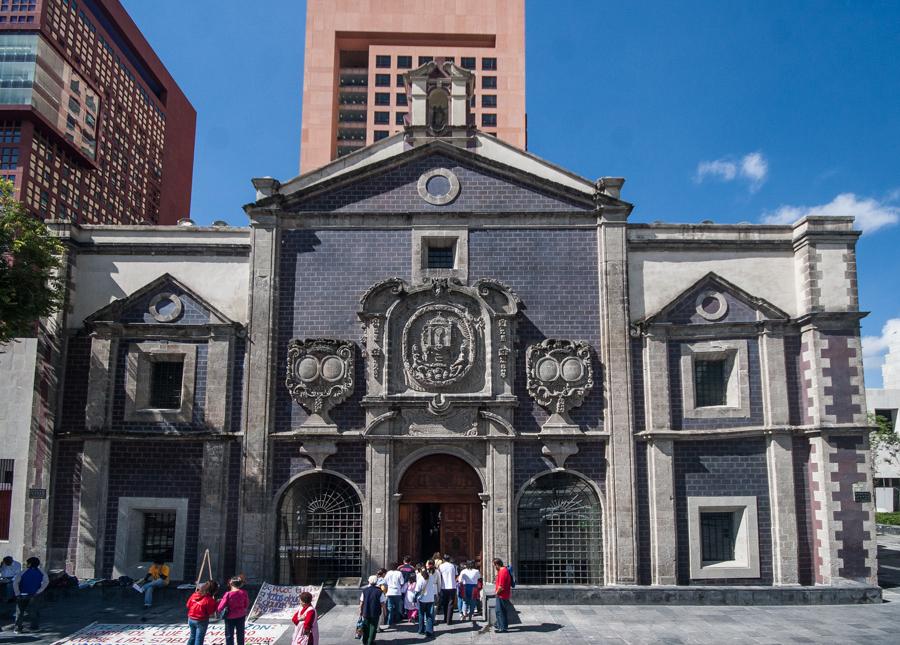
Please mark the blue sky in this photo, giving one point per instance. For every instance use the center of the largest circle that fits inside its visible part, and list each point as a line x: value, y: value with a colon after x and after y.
x: 728, y: 111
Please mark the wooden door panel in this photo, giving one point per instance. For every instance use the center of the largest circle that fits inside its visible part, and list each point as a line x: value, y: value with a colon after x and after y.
x: 408, y: 533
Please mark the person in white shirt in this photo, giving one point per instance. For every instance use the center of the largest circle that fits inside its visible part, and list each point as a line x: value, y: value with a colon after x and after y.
x: 448, y: 587
x: 426, y: 591
x: 395, y: 581
x: 9, y: 569
x: 468, y: 583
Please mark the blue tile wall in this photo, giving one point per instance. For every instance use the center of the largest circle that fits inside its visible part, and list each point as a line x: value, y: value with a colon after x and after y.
x: 794, y: 379
x: 322, y: 275
x: 554, y: 272
x: 639, y: 418
x: 395, y: 191
x: 237, y: 384
x: 642, y: 503
x: 723, y: 468
x: 675, y: 389
x: 193, y: 313
x: 75, y: 385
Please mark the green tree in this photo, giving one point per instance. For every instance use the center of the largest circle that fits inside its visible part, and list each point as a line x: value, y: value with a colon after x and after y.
x: 884, y: 442
x: 29, y: 263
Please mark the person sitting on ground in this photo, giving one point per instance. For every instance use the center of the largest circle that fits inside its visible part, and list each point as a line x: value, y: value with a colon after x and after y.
x: 395, y: 581
x: 201, y: 607
x: 306, y: 631
x: 371, y: 603
x: 233, y: 607
x: 157, y: 576
x: 28, y: 585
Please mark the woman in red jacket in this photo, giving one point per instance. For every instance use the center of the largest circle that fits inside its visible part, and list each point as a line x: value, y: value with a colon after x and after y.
x: 201, y: 606
x: 307, y: 631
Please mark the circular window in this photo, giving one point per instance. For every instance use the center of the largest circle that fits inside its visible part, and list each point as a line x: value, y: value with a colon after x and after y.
x: 166, y: 307
x: 711, y: 305
x: 438, y: 186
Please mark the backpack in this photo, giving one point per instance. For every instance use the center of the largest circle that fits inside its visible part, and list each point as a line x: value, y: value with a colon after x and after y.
x: 512, y: 576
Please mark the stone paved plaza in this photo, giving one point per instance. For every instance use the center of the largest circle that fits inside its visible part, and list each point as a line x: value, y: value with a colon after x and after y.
x: 838, y: 624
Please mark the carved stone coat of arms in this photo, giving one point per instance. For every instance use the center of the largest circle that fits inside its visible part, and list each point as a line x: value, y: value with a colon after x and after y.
x: 320, y: 375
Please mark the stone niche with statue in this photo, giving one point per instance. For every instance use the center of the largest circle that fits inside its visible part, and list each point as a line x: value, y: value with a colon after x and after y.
x: 439, y: 357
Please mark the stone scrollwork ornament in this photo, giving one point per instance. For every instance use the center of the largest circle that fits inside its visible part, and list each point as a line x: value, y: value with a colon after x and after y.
x: 560, y: 376
x: 439, y: 346
x: 320, y: 376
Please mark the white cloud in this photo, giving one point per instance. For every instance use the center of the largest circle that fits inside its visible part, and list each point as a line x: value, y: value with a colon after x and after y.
x: 871, y: 214
x: 875, y: 346
x: 752, y: 167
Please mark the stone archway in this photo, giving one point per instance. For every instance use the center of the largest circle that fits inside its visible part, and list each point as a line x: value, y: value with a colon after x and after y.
x: 440, y: 509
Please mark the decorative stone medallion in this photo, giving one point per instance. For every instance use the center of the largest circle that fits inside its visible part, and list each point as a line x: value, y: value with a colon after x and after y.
x: 711, y: 305
x: 165, y: 307
x: 438, y: 186
x: 438, y: 346
x: 560, y: 376
x: 319, y: 375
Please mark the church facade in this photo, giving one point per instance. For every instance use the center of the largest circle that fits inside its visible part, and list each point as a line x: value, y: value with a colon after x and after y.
x: 444, y: 343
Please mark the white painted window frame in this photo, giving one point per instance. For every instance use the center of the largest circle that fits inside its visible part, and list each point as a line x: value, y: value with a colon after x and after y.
x: 138, y: 384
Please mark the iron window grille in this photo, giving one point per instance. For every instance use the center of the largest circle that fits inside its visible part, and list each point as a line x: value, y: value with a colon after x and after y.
x: 165, y: 384
x: 319, y: 531
x: 717, y: 537
x: 711, y: 382
x: 559, y: 532
x: 158, y: 540
x: 441, y: 257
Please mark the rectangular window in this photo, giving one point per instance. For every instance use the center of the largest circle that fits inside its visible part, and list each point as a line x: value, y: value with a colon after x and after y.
x: 401, y: 99
x: 165, y: 384
x: 382, y: 80
x: 467, y: 62
x: 381, y: 134
x: 158, y: 538
x: 382, y: 98
x: 489, y: 101
x: 441, y: 256
x: 489, y: 120
x: 382, y: 118
x: 425, y: 59
x: 404, y: 62
x: 717, y: 537
x: 400, y: 81
x: 399, y: 118
x: 382, y: 61
x: 489, y: 82
x: 489, y: 64
x: 6, y: 482
x: 9, y: 158
x: 711, y: 382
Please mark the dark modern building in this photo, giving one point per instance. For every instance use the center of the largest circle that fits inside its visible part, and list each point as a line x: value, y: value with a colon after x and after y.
x: 93, y: 129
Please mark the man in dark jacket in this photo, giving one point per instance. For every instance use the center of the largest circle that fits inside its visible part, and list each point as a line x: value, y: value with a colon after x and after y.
x: 371, y: 604
x: 27, y: 586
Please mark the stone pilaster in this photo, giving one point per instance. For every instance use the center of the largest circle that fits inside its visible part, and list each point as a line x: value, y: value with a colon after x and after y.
x: 661, y: 473
x: 780, y: 463
x: 98, y: 412
x: 615, y: 356
x: 213, y: 506
x: 378, y: 503
x: 254, y: 546
x: 92, y: 508
x: 774, y: 379
x: 219, y: 374
x: 498, y: 505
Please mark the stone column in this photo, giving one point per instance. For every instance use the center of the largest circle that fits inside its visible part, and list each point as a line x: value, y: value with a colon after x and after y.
x: 377, y: 507
x: 615, y: 357
x: 92, y: 508
x: 663, y: 551
x: 498, y: 507
x: 255, y: 545
x: 779, y: 459
x: 213, y: 506
x: 101, y: 378
x: 219, y: 373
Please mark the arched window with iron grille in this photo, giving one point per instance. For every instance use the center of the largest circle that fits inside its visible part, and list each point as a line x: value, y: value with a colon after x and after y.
x: 559, y: 532
x: 319, y: 531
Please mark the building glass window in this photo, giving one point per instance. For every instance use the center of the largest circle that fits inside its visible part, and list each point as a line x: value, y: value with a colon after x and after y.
x: 489, y: 82
x: 717, y: 537
x: 382, y: 80
x: 158, y: 537
x: 9, y: 158
x: 559, y: 532
x: 489, y: 64
x: 382, y: 61
x: 382, y: 118
x: 400, y: 81
x: 165, y: 384
x: 404, y: 62
x: 399, y: 118
x: 441, y: 256
x: 319, y: 530
x: 489, y: 120
x: 489, y: 101
x: 711, y: 382
x: 425, y: 59
x: 6, y: 484
x: 467, y: 62
x: 381, y: 134
x: 401, y: 99
x: 382, y: 98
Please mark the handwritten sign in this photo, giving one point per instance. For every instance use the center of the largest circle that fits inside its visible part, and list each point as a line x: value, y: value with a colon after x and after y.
x: 276, y: 602
x: 102, y: 634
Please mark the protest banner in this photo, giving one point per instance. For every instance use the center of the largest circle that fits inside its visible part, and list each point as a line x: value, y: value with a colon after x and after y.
x: 107, y: 634
x: 275, y: 602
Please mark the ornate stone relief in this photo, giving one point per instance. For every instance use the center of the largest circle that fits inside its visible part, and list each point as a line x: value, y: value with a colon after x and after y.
x: 318, y: 451
x: 319, y: 377
x: 439, y: 346
x: 560, y: 376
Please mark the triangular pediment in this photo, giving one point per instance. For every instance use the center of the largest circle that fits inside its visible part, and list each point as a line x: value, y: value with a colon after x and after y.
x: 713, y: 299
x: 165, y: 300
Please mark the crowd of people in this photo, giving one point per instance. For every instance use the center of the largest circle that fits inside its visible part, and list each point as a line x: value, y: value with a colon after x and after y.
x: 418, y: 593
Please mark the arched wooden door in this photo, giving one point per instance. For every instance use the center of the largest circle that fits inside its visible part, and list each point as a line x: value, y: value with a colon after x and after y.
x: 440, y: 509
